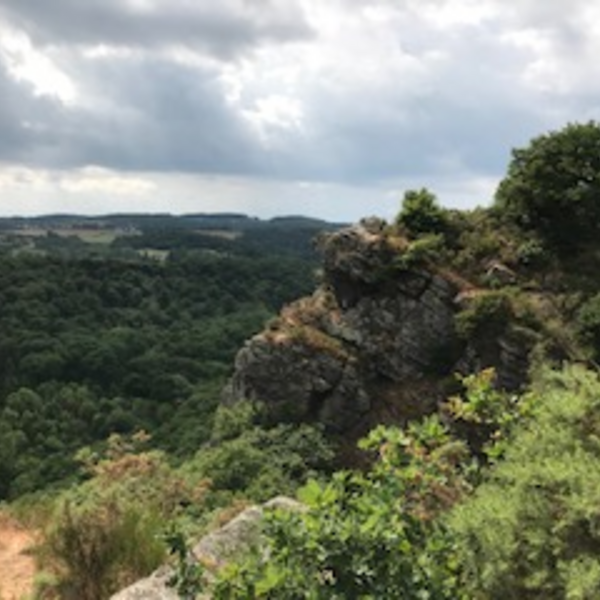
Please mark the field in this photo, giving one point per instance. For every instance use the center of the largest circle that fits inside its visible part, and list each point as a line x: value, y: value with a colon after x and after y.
x: 90, y: 236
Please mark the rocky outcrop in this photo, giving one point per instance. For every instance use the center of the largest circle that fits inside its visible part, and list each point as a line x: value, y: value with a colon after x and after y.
x: 154, y: 587
x: 215, y: 549
x: 377, y: 329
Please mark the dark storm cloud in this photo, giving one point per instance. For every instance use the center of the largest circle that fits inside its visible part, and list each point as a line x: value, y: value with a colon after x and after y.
x: 224, y: 28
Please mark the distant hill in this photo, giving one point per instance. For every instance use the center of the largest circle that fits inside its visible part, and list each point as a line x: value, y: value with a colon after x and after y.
x: 127, y: 235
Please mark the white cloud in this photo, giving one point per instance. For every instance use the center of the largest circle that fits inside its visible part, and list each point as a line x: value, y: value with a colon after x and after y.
x: 26, y: 63
x: 24, y: 179
x: 98, y: 180
x: 274, y: 114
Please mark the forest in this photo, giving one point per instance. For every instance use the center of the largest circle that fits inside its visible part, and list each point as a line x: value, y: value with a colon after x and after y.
x: 115, y: 445
x: 105, y: 338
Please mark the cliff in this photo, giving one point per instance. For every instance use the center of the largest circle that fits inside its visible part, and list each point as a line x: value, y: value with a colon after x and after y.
x: 378, y: 341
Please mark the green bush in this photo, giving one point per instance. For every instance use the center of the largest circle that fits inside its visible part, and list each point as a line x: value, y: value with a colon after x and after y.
x: 261, y: 463
x: 532, y: 253
x: 232, y: 422
x: 105, y: 532
x: 419, y: 252
x: 96, y: 550
x: 531, y: 530
x: 485, y: 413
x: 364, y: 536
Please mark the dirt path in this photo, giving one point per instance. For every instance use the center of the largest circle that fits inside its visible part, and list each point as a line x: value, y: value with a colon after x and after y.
x: 17, y: 568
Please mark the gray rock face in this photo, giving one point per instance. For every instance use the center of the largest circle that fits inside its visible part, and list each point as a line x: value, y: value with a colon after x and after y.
x: 366, y: 324
x: 310, y: 385
x: 372, y: 325
x: 241, y: 534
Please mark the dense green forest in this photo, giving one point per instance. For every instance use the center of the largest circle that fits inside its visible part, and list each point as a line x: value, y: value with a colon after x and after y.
x: 113, y: 359
x: 136, y: 334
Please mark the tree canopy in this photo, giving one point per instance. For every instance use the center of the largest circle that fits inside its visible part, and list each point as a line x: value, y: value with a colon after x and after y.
x: 553, y: 185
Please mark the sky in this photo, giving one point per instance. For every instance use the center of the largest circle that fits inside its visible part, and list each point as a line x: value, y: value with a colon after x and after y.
x: 327, y: 108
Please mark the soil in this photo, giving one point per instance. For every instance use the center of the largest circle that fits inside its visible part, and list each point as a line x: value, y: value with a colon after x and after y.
x: 17, y: 566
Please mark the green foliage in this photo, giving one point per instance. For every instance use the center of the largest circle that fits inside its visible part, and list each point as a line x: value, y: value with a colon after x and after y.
x: 258, y: 463
x: 98, y: 550
x: 421, y: 213
x: 531, y: 529
x: 188, y: 578
x: 364, y: 536
x: 90, y: 347
x: 487, y: 413
x: 532, y: 253
x: 488, y: 312
x: 479, y: 239
x: 232, y: 422
x: 482, y: 403
x: 588, y: 324
x: 553, y: 185
x: 424, y: 250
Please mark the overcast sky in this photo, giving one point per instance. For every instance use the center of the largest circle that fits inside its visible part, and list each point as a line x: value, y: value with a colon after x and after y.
x: 330, y: 108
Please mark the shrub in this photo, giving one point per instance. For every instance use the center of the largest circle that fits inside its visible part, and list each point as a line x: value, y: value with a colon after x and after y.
x: 261, y: 462
x: 96, y: 550
x: 531, y: 529
x: 532, y: 254
x: 232, y: 421
x: 364, y: 536
x: 104, y: 533
x: 419, y: 252
x: 421, y: 213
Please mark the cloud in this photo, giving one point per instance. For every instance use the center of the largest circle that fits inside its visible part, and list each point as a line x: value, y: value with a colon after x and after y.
x: 26, y: 121
x: 338, y: 94
x: 99, y: 180
x: 385, y: 93
x: 224, y: 29
x: 157, y: 115
x: 142, y: 113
